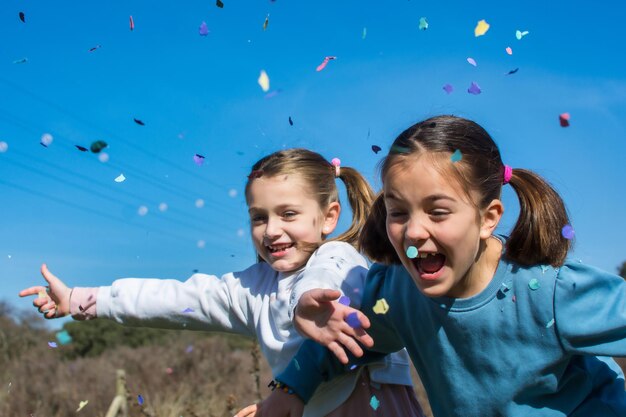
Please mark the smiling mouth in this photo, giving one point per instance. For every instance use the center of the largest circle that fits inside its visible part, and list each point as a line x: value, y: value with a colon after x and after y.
x: 429, y: 263
x: 279, y: 248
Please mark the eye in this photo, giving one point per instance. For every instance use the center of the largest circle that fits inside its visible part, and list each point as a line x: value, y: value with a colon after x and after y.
x: 289, y: 214
x: 258, y: 218
x: 396, y: 214
x: 439, y: 214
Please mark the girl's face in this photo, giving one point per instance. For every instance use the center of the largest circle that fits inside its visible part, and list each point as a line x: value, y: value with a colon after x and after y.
x: 427, y: 211
x: 285, y: 220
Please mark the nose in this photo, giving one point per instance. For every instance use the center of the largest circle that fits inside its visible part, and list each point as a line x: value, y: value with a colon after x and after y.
x: 273, y: 229
x: 416, y: 230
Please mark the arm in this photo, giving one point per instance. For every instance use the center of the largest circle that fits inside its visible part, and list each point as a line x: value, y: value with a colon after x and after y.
x: 590, y: 311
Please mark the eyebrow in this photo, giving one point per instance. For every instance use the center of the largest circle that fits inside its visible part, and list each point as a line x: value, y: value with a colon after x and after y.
x: 431, y: 198
x: 280, y: 207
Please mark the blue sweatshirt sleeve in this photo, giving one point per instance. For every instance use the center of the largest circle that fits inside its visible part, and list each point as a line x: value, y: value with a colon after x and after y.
x: 314, y: 364
x: 590, y: 310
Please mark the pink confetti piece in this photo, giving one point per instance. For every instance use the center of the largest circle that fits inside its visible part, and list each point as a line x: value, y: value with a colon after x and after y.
x: 132, y: 23
x: 509, y: 50
x: 203, y: 30
x: 471, y: 61
x: 564, y: 119
x: 198, y: 159
x: 448, y: 88
x: 325, y: 62
x: 474, y: 89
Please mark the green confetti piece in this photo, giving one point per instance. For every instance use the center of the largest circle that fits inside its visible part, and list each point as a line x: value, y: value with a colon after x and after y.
x: 295, y: 362
x: 550, y: 324
x: 411, y: 252
x: 533, y: 284
x: 374, y: 403
x: 423, y: 23
x: 456, y: 156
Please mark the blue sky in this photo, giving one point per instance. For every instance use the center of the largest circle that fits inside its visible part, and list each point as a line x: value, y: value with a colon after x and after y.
x: 199, y: 94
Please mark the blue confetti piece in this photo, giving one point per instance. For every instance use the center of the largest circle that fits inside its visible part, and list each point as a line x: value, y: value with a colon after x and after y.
x: 456, y: 156
x: 374, y: 403
x: 533, y: 284
x: 188, y: 310
x: 411, y: 252
x: 550, y: 324
x: 568, y: 232
x: 353, y: 320
x: 52, y: 344
x: 345, y: 300
x: 140, y: 399
x: 353, y: 367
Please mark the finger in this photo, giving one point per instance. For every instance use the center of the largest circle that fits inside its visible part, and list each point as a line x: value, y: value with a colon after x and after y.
x: 364, y: 338
x: 51, y: 314
x: 31, y: 291
x: 47, y: 275
x: 248, y: 411
x: 350, y: 344
x: 339, y: 352
x: 45, y: 308
x: 39, y: 302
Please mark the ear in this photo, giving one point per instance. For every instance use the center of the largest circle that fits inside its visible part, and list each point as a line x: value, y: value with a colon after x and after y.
x: 331, y: 216
x: 490, y: 218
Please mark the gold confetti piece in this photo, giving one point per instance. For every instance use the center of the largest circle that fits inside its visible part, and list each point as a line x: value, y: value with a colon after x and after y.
x: 42, y: 294
x: 381, y: 306
x: 264, y: 81
x: 120, y: 178
x: 481, y: 28
x: 267, y: 22
x: 82, y: 405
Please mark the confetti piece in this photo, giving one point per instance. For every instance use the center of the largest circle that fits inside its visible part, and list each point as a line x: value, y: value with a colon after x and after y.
x: 509, y: 50
x: 95, y: 48
x: 344, y: 299
x: 335, y: 162
x: 290, y: 121
x: 52, y: 344
x: 411, y: 252
x: 267, y: 22
x: 519, y: 34
x: 550, y: 324
x: 219, y: 4
x: 423, y: 25
x: 353, y: 367
x: 203, y: 30
x: 376, y: 148
x: 471, y: 61
x: 513, y: 71
x: 139, y: 122
x: 201, y: 244
x: 456, y: 156
x: 120, y: 178
x: 297, y: 364
x: 63, y: 337
x: 448, y: 88
x: 198, y: 159
x: 188, y: 310
x: 374, y: 403
x: 142, y: 210
x: 273, y: 93
x: 169, y: 371
x: 42, y: 294
x: 324, y: 63
x: 232, y: 193
x: 568, y: 232
x: 189, y: 349
x: 46, y: 139
x: 353, y: 320
x: 533, y: 284
x: 140, y: 399
x: 481, y: 28
x: 381, y: 306
x: 82, y: 405
x: 364, y: 33
x: 3, y: 147
x: 103, y: 157
x: 240, y: 232
x: 98, y: 146
x: 21, y: 61
x: 199, y: 203
x: 81, y: 148
x: 264, y: 81
x: 22, y: 17
x: 544, y: 268
x: 564, y: 119
x: 474, y: 89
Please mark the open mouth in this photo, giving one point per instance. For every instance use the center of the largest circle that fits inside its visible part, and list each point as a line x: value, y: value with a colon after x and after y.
x: 428, y: 264
x: 279, y: 248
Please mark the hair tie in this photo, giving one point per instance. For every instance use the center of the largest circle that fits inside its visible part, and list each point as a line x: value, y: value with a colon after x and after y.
x: 508, y: 173
x: 336, y: 162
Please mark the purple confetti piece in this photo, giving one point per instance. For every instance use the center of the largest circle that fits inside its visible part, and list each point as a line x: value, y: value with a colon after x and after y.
x: 513, y: 71
x: 198, y: 159
x: 345, y: 300
x: 52, y: 344
x: 188, y: 310
x: 353, y: 320
x: 140, y: 399
x: 474, y: 89
x: 471, y: 61
x: 204, y: 29
x: 376, y: 148
x: 189, y: 349
x: 448, y: 88
x: 568, y: 232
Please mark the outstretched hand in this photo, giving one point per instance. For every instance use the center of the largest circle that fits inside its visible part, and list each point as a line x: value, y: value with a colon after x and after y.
x: 54, y: 299
x: 278, y: 404
x: 320, y: 317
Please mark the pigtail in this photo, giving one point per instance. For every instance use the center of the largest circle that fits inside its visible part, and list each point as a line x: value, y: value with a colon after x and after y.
x: 373, y: 240
x: 536, y: 237
x: 360, y: 197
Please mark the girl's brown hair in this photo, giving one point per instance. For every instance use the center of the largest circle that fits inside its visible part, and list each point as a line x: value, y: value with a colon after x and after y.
x: 319, y: 175
x: 535, y: 238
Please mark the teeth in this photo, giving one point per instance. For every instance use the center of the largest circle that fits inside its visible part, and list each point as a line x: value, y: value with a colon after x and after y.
x: 275, y: 248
